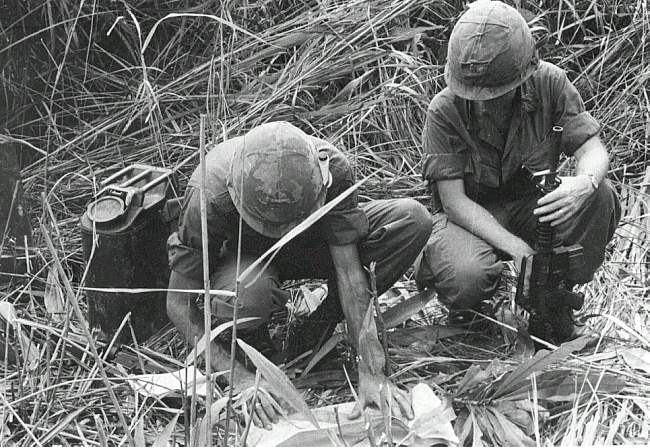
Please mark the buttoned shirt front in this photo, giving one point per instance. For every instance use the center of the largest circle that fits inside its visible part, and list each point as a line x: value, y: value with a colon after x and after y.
x: 461, y: 142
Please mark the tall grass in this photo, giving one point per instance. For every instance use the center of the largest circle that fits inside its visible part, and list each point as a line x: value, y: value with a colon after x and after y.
x: 99, y: 85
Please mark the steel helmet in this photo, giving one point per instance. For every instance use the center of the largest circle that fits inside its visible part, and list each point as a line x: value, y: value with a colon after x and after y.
x: 276, y: 179
x: 491, y: 51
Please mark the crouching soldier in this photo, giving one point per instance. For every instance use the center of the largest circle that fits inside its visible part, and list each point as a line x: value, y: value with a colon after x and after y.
x: 272, y: 178
x: 484, y: 133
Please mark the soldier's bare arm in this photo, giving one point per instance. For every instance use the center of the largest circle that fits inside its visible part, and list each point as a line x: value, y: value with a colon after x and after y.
x: 477, y: 220
x: 355, y: 298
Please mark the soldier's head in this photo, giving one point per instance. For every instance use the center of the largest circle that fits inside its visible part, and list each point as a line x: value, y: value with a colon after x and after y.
x: 491, y: 52
x: 277, y: 178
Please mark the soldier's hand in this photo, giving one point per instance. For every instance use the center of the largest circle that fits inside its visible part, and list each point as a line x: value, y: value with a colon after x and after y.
x: 521, y: 252
x: 373, y: 389
x: 562, y: 204
x: 267, y: 408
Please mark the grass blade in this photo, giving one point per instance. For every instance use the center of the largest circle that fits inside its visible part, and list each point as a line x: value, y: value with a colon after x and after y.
x: 279, y: 382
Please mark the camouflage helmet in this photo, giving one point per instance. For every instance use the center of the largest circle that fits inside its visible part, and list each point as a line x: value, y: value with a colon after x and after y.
x: 491, y: 51
x: 275, y: 178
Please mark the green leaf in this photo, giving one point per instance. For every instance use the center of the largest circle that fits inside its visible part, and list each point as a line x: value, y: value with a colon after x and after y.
x: 474, y: 376
x: 200, y: 345
x: 101, y: 432
x: 139, y: 433
x: 60, y: 426
x: 428, y: 335
x: 637, y: 358
x: 463, y: 425
x: 518, y: 412
x: 164, y: 438
x: 278, y: 382
x: 324, y: 350
x: 433, y: 416
x: 403, y: 310
x: 506, y: 432
x: 541, y: 360
x: 477, y: 434
x: 217, y: 407
x: 567, y: 386
x: 203, y: 432
x: 53, y: 296
x: 203, y: 435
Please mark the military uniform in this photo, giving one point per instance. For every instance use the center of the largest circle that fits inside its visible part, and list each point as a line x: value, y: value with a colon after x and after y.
x: 389, y: 232
x: 461, y: 142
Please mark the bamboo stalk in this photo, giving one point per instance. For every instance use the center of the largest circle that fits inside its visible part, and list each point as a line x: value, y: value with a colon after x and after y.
x: 207, y: 311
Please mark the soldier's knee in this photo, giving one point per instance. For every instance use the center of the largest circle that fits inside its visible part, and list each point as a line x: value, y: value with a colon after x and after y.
x: 470, y: 281
x: 258, y: 298
x: 419, y: 220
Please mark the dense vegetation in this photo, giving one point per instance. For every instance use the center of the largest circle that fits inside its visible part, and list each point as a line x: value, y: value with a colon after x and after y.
x: 90, y: 86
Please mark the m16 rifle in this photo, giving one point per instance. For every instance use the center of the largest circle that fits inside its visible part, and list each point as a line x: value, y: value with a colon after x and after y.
x: 552, y: 270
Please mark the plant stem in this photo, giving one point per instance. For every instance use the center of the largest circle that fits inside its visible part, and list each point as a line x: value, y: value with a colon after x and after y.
x: 207, y: 316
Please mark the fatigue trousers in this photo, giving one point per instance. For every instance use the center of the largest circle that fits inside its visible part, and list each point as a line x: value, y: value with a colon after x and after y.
x: 464, y: 269
x: 398, y: 231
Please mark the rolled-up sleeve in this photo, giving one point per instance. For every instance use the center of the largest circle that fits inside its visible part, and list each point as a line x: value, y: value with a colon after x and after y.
x: 346, y: 223
x: 184, y: 247
x: 569, y: 111
x: 446, y: 155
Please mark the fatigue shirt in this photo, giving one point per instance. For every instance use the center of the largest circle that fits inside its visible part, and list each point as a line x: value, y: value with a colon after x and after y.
x: 346, y: 223
x: 461, y: 143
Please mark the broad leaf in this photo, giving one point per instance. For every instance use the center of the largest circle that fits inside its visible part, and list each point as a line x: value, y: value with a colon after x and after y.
x: 29, y: 349
x: 139, y: 433
x: 217, y: 407
x: 567, y: 386
x: 427, y: 335
x: 53, y: 296
x: 324, y: 350
x: 506, y: 432
x: 591, y: 430
x: 637, y: 358
x: 474, y: 376
x: 477, y: 434
x: 159, y: 385
x: 164, y: 438
x: 278, y: 382
x: 519, y: 413
x: 403, y: 310
x: 61, y: 425
x: 541, y: 360
x: 433, y: 417
x: 200, y: 345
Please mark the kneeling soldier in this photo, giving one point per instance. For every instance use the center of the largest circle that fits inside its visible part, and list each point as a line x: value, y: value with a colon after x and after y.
x: 483, y: 134
x: 273, y: 177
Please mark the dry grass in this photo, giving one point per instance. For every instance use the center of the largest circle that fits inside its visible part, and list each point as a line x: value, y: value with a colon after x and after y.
x: 357, y: 73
